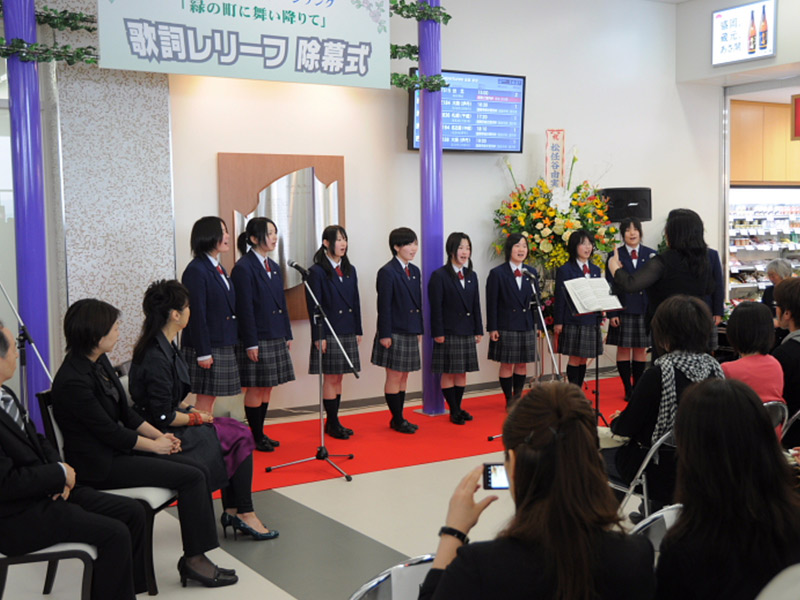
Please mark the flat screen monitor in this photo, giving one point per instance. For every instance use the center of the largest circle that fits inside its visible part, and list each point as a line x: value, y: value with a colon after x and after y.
x: 481, y: 112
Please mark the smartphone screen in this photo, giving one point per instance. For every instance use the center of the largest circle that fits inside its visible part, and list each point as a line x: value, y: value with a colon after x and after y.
x: 494, y: 476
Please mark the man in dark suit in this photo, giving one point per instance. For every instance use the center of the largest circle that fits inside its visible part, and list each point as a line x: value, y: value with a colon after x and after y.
x: 787, y: 303
x: 40, y: 504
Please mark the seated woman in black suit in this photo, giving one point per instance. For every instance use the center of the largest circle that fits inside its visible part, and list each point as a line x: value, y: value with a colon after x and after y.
x: 564, y: 540
x: 159, y: 383
x: 740, y: 521
x: 101, y: 434
x: 681, y: 332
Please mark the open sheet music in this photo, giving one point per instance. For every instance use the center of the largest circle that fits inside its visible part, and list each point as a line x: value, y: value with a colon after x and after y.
x: 591, y: 295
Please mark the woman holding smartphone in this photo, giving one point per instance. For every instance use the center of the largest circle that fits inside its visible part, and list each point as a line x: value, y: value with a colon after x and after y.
x: 335, y: 284
x: 265, y: 332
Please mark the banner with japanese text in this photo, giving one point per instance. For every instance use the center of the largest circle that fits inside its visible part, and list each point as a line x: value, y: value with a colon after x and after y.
x: 339, y: 42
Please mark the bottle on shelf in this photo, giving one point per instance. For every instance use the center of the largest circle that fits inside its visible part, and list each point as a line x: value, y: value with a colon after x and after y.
x: 751, y: 34
x: 763, y: 29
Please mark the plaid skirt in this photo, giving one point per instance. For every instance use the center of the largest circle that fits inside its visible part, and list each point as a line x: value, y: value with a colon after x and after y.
x: 457, y: 354
x: 579, y: 340
x: 403, y: 355
x: 514, y: 347
x: 333, y: 361
x: 274, y: 365
x: 222, y: 379
x: 631, y: 333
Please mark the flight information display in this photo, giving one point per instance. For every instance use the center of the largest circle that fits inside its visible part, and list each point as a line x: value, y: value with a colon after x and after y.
x: 480, y: 112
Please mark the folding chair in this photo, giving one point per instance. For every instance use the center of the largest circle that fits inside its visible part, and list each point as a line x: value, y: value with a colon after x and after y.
x: 640, y: 479
x: 655, y: 527
x: 789, y: 423
x: 51, y: 555
x: 778, y: 413
x: 412, y: 572
x: 153, y: 499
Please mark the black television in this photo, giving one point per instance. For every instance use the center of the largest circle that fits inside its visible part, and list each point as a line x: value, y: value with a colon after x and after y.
x: 481, y: 112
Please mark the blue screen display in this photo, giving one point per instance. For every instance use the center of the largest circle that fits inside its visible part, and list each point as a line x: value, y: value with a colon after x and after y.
x: 480, y: 112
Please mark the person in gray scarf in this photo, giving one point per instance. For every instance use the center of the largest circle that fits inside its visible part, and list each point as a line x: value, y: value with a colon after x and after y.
x: 682, y: 328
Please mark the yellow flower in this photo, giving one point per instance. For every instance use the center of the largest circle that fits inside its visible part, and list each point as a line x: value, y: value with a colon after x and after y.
x: 521, y: 219
x: 505, y: 231
x: 515, y: 205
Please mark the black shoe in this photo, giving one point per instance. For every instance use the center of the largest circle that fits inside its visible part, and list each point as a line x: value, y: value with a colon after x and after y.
x: 347, y: 430
x: 226, y: 520
x: 465, y: 415
x: 220, y: 579
x: 240, y: 525
x: 264, y: 445
x: 336, y: 431
x: 457, y: 418
x: 403, y: 426
x: 275, y: 443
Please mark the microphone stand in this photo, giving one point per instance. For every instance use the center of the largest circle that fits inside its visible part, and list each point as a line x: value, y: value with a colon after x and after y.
x: 320, y: 320
x: 22, y: 339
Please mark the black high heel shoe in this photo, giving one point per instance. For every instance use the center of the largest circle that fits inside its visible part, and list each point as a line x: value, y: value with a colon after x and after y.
x: 226, y: 520
x: 246, y: 529
x: 220, y: 578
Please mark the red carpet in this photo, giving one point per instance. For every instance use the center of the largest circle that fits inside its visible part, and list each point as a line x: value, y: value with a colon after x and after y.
x: 376, y: 447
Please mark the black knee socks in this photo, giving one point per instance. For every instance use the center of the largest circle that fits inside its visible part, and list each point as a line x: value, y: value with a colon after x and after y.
x: 458, y: 393
x: 506, y: 386
x: 624, y: 369
x: 449, y: 398
x: 637, y: 369
x: 255, y: 419
x: 576, y: 373
x: 395, y: 404
x: 519, y: 383
x: 331, y: 411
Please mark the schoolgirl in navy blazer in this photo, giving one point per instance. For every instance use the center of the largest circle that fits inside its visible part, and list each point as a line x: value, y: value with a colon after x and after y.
x: 213, y: 320
x: 399, y: 300
x: 455, y: 310
x: 342, y: 301
x: 562, y: 314
x: 508, y: 307
x: 262, y: 310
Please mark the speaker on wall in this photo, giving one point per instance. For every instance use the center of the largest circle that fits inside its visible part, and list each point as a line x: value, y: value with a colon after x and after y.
x: 628, y: 202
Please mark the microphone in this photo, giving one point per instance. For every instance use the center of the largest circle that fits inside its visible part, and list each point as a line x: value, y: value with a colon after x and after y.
x: 529, y: 275
x: 294, y: 265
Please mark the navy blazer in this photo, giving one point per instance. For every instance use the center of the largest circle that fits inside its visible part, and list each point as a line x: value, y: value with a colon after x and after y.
x: 399, y: 300
x: 636, y: 302
x: 455, y: 310
x: 212, y: 323
x: 260, y: 301
x: 338, y: 298
x: 563, y: 309
x: 96, y: 427
x: 508, y: 308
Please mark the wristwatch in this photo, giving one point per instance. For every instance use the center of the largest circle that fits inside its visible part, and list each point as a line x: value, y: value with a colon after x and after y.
x: 460, y: 535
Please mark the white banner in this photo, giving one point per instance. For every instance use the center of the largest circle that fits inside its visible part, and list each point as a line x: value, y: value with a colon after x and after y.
x: 339, y: 42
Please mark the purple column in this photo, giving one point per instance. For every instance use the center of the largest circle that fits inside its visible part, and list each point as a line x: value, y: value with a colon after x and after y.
x: 29, y: 215
x: 430, y: 156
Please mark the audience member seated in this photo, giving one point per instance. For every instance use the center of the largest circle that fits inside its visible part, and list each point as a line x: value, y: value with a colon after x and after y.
x: 101, y: 433
x: 564, y: 540
x: 787, y: 306
x: 740, y: 522
x: 681, y: 329
x: 751, y: 334
x: 40, y: 505
x: 159, y: 383
x: 777, y: 270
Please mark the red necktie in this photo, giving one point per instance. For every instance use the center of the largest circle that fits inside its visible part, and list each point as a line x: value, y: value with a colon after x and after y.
x: 220, y: 271
x: 408, y: 272
x: 339, y: 271
x: 585, y: 269
x: 634, y: 254
x: 266, y: 265
x: 517, y: 273
x: 461, y: 275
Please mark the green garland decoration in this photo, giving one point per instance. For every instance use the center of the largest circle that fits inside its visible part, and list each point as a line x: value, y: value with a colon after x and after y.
x: 44, y: 53
x: 421, y: 11
x: 406, y: 51
x: 64, y: 19
x: 432, y: 83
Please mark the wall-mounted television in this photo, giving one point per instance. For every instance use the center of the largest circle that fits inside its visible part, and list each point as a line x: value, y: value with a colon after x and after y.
x: 481, y: 112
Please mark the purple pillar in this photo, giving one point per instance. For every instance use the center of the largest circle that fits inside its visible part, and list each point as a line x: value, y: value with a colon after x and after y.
x: 430, y: 156
x: 29, y: 215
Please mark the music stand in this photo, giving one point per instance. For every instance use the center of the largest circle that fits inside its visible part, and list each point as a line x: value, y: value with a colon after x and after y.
x: 320, y: 320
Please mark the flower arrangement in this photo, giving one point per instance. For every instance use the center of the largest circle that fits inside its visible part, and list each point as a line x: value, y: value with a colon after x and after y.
x: 547, y: 217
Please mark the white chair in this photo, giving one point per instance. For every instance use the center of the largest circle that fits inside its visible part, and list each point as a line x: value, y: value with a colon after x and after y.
x: 51, y: 555
x: 640, y: 479
x: 400, y: 582
x: 784, y: 586
x: 778, y: 413
x: 153, y: 499
x: 655, y: 527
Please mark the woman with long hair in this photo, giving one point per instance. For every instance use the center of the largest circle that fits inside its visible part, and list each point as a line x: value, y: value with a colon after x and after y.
x: 688, y: 266
x: 681, y: 332
x: 510, y: 289
x: 740, y: 521
x: 159, y: 383
x: 209, y: 340
x: 578, y: 335
x: 335, y: 284
x: 111, y: 446
x: 564, y: 541
x: 265, y: 333
x: 455, y: 322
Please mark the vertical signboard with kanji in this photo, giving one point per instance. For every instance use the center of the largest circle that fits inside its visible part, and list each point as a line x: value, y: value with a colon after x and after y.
x: 340, y: 42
